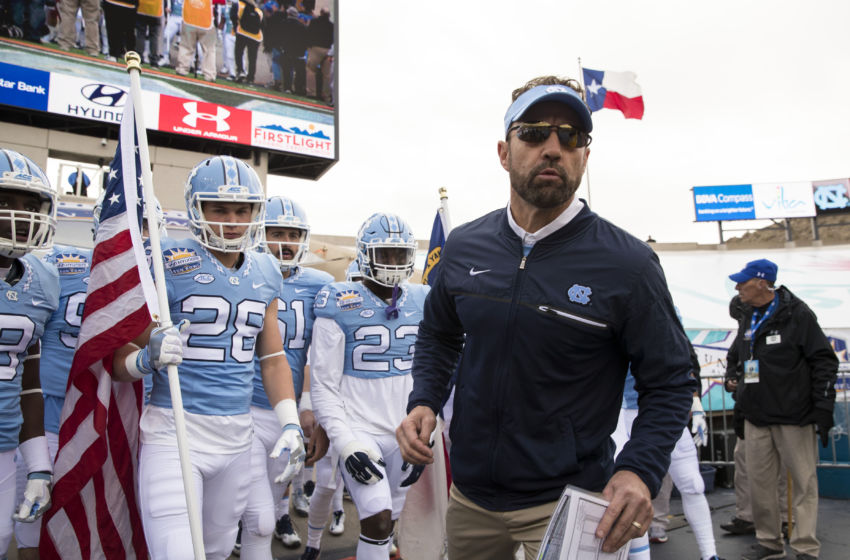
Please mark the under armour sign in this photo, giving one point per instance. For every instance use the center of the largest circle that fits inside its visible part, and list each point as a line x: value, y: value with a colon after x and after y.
x: 203, y: 119
x: 219, y: 118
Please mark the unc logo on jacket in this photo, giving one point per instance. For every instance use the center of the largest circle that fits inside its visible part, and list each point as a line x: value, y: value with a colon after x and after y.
x: 226, y: 309
x: 380, y: 346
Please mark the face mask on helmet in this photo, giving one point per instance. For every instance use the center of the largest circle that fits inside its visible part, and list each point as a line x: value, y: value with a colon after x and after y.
x: 386, y: 249
x: 352, y: 273
x: 287, y: 233
x: 225, y: 204
x: 27, y: 206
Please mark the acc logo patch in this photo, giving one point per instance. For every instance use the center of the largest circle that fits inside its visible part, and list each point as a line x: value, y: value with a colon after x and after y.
x: 348, y: 300
x: 181, y: 261
x: 366, y: 313
x: 204, y: 278
x: 579, y: 294
x: 72, y: 263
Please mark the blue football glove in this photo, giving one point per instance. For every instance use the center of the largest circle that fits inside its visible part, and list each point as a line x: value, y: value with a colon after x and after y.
x: 414, y: 474
x: 360, y: 463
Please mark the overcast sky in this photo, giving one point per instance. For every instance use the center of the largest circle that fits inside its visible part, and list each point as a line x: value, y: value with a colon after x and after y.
x: 735, y: 92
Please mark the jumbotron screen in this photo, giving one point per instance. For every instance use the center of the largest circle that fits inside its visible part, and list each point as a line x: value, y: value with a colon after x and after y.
x: 281, y: 98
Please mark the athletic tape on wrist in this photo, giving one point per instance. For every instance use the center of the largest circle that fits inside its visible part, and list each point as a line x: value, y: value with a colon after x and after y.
x: 287, y: 412
x: 305, y: 403
x: 696, y: 407
x: 31, y: 391
x: 31, y: 357
x: 35, y: 454
x: 134, y: 367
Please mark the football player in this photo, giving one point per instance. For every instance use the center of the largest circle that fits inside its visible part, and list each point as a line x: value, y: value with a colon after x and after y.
x: 224, y: 297
x: 57, y: 352
x: 361, y: 360
x: 287, y: 235
x: 29, y: 293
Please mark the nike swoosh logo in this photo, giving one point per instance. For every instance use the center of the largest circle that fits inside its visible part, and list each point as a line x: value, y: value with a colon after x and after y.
x: 255, y: 286
x: 409, y: 313
x: 37, y: 302
x: 299, y: 290
x: 473, y: 272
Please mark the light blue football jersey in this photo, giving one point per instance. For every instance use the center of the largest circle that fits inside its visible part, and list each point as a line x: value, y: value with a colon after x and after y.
x: 63, y: 327
x: 295, y: 320
x: 375, y: 346
x: 226, y: 310
x: 25, y: 307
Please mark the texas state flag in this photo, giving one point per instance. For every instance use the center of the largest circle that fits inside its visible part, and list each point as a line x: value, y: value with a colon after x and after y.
x: 613, y: 90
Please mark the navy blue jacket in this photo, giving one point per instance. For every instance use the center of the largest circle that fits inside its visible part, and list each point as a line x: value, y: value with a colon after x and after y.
x: 546, y: 343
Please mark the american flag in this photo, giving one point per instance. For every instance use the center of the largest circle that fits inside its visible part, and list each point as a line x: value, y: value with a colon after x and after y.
x: 95, y: 512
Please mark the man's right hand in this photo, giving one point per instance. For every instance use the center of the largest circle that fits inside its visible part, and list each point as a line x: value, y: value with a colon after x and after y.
x: 824, y: 421
x: 414, y: 436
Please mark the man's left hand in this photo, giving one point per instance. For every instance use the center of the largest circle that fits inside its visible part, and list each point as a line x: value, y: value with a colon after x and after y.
x: 629, y: 511
x: 318, y: 445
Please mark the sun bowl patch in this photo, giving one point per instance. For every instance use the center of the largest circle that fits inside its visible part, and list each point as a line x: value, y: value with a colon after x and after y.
x: 348, y: 300
x: 71, y: 263
x: 181, y: 261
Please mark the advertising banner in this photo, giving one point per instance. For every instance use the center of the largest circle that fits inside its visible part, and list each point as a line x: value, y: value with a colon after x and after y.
x: 832, y: 196
x: 724, y: 202
x: 784, y: 200
x: 24, y: 87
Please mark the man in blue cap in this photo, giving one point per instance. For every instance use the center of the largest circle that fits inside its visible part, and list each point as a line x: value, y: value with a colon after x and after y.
x: 785, y: 393
x: 549, y: 304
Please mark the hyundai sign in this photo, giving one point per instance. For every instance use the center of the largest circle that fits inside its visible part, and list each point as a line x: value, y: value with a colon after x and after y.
x: 754, y: 202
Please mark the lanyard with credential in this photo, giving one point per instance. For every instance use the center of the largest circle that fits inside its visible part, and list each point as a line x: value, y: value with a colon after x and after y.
x: 756, y: 322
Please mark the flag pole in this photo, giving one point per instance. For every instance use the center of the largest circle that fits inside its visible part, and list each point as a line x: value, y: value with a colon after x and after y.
x: 584, y: 97
x: 134, y: 68
x: 444, y: 211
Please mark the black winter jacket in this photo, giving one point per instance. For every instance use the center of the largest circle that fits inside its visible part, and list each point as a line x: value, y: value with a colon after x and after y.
x: 796, y: 373
x: 546, y: 342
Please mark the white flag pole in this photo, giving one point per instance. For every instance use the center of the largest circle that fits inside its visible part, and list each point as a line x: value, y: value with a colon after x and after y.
x: 584, y: 96
x: 444, y: 211
x: 134, y: 68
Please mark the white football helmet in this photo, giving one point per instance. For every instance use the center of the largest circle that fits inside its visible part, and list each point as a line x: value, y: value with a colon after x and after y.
x: 224, y: 179
x: 352, y: 273
x: 286, y: 213
x: 380, y: 232
x: 22, y: 231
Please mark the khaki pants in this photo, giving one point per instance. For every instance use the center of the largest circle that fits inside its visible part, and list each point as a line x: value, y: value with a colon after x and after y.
x: 190, y: 35
x: 743, y: 507
x: 67, y: 26
x: 318, y: 61
x: 475, y: 533
x: 767, y: 449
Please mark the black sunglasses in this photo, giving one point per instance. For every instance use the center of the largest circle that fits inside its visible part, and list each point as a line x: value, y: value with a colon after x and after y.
x: 535, y: 133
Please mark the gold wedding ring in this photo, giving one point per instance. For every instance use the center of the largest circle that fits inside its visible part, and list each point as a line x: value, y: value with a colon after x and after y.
x: 637, y: 525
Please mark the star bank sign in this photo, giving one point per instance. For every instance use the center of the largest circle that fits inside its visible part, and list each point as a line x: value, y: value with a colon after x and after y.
x: 292, y: 135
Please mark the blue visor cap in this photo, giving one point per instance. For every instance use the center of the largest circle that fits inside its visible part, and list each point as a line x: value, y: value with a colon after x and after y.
x: 761, y: 268
x: 558, y: 93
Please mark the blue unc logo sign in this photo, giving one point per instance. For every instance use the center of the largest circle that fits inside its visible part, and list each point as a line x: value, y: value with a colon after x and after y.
x: 579, y: 294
